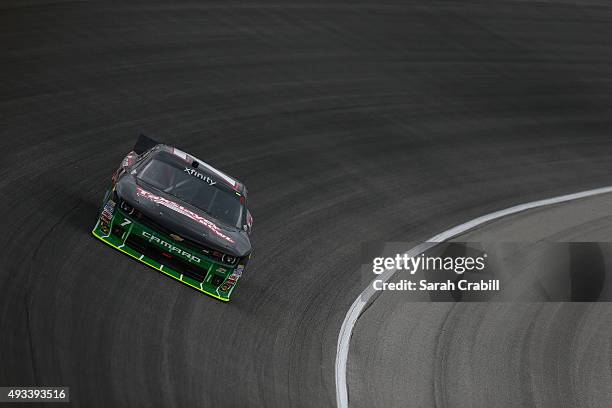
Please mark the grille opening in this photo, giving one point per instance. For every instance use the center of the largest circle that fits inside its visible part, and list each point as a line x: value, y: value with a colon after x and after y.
x: 196, y: 246
x: 118, y: 231
x: 217, y: 280
x: 166, y: 259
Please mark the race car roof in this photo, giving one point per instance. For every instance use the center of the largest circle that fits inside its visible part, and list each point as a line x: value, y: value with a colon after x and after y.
x: 204, y: 167
x: 145, y: 143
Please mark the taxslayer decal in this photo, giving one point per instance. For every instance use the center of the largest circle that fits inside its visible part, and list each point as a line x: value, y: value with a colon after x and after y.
x: 184, y: 211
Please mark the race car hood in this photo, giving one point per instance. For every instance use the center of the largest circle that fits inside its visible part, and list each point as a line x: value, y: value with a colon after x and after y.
x: 182, y: 218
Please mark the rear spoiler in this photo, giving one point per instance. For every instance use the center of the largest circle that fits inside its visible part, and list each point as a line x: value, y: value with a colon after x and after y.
x: 143, y: 144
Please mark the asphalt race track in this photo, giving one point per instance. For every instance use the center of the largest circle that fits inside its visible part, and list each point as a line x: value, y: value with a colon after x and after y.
x: 353, y: 124
x: 526, y: 350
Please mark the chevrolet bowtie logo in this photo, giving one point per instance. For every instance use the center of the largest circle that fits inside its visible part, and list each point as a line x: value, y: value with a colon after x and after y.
x: 176, y: 237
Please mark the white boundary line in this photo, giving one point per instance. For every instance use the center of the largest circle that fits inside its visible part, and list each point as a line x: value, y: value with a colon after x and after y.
x: 346, y: 331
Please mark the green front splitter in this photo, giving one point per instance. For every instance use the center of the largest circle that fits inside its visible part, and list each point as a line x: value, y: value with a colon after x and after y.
x: 120, y: 245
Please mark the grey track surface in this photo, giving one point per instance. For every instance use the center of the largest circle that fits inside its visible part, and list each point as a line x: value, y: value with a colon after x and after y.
x: 350, y: 123
x: 502, y: 354
x: 583, y: 220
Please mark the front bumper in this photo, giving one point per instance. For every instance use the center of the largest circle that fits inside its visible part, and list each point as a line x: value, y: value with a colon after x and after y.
x: 157, y: 250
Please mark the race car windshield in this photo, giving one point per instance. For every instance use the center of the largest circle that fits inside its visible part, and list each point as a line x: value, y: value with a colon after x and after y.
x: 193, y: 187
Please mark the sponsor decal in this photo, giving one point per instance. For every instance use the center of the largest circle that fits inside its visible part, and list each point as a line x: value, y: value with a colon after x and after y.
x: 186, y: 212
x: 199, y: 175
x: 231, y: 281
x: 238, y: 271
x: 109, y: 208
x: 129, y: 159
x: 219, y: 173
x: 125, y: 164
x: 169, y: 247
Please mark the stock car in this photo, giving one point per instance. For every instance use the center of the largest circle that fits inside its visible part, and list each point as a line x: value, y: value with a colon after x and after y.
x: 178, y: 215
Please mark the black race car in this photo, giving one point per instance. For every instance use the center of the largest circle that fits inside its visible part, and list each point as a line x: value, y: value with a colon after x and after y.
x: 180, y: 216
